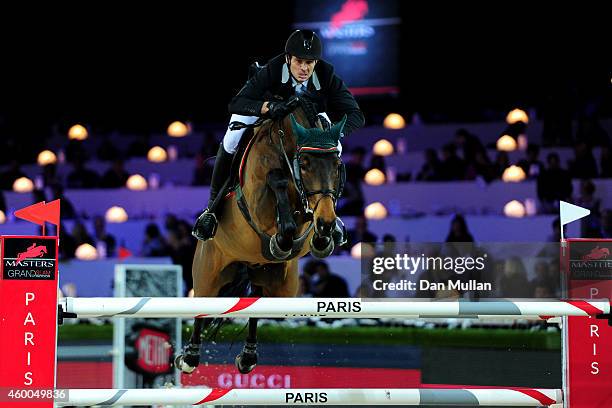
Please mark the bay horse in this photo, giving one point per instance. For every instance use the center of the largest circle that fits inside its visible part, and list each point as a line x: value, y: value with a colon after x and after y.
x: 283, y: 207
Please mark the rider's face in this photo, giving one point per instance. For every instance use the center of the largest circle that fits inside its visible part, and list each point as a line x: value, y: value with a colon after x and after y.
x: 302, y: 69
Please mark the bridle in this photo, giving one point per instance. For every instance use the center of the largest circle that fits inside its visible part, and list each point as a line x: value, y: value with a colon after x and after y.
x: 295, y: 169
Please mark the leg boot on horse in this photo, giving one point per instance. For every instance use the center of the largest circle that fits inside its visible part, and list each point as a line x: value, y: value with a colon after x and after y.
x: 190, y: 358
x: 206, y: 225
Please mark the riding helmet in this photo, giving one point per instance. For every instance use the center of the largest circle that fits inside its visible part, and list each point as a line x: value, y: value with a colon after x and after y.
x: 304, y: 44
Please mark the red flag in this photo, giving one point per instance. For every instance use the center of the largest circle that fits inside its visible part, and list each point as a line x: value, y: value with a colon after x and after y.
x: 124, y: 253
x: 40, y: 213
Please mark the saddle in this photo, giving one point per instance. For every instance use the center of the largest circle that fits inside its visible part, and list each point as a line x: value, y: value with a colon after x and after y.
x: 239, y: 161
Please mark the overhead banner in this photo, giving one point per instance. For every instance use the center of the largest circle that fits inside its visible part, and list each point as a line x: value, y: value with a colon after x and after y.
x: 360, y: 38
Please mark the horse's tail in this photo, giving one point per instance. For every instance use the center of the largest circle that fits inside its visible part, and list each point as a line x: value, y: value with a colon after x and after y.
x: 240, y: 286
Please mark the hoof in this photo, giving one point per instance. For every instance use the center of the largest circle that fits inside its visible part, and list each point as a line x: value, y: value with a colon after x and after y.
x: 276, y: 251
x: 321, y: 247
x: 179, y: 362
x: 246, y: 362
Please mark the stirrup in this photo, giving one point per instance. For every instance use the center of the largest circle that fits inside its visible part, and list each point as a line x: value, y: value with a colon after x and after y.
x: 195, y: 232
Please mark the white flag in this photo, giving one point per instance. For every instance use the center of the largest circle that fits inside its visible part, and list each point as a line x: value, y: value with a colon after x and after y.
x: 571, y: 212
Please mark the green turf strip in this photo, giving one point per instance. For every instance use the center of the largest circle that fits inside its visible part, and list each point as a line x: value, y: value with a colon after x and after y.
x: 377, y: 335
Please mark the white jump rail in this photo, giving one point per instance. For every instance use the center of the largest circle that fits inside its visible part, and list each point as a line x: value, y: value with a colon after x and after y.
x: 326, y: 307
x: 527, y: 397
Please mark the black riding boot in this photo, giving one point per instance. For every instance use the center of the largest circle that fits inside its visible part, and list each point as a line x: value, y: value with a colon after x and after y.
x: 206, y: 224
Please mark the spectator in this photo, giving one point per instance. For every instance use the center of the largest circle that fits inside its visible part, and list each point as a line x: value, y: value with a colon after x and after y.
x: 80, y: 234
x: 103, y: 238
x: 452, y: 167
x: 153, y: 244
x: 303, y: 287
x: 308, y: 273
x: 531, y: 165
x: 38, y: 196
x: 430, y: 171
x: 209, y: 145
x: 116, y: 176
x: 556, y: 112
x: 360, y: 233
x: 8, y: 177
x: 67, y: 210
x: 203, y: 170
x: 107, y: 150
x: 544, y: 285
x: 355, y: 170
x: 514, y: 282
x: 556, y: 231
x: 469, y: 144
x: 171, y: 222
x: 606, y: 162
x: 589, y: 225
x: 502, y: 162
x: 435, y: 274
x: 606, y: 223
x: 584, y: 165
x: 542, y: 289
x: 378, y: 162
x: 67, y: 244
x: 459, y: 231
x: 328, y: 284
x: 591, y: 132
x: 50, y: 177
x: 2, y: 202
x: 352, y: 201
x: 480, y: 167
x: 81, y: 177
x: 182, y: 247
x: 554, y: 184
x: 75, y: 151
x: 139, y: 147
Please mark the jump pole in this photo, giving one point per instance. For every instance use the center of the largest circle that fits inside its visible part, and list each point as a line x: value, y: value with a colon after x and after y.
x: 526, y: 397
x: 28, y: 310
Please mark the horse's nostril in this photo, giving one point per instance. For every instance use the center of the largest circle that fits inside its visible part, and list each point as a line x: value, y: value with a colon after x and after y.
x: 324, y: 228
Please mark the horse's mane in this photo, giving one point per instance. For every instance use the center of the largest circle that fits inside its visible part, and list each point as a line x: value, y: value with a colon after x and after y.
x: 305, y: 113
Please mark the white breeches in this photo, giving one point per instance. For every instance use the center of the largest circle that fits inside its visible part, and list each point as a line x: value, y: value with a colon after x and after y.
x: 232, y: 137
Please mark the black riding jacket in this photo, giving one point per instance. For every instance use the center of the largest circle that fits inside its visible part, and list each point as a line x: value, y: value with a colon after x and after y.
x: 330, y: 93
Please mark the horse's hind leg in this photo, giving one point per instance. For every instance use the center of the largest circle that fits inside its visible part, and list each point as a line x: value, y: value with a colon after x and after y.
x: 247, y: 359
x: 282, y: 242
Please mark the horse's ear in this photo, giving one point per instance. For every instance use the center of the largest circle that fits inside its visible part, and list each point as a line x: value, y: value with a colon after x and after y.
x: 300, y: 131
x: 337, y: 129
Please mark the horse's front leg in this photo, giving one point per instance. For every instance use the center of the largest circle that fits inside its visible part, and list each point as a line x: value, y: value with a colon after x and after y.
x: 247, y: 359
x: 282, y: 242
x: 189, y: 359
x: 208, y: 262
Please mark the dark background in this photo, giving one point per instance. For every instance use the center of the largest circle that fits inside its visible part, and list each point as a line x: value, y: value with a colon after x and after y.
x: 137, y: 70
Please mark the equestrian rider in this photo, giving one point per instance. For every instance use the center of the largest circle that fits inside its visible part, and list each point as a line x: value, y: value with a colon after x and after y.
x: 299, y: 69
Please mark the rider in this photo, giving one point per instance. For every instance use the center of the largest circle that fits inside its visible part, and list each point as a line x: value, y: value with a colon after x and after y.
x: 299, y: 69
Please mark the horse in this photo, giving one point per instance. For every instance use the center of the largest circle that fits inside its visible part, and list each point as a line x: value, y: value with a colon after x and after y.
x: 282, y: 208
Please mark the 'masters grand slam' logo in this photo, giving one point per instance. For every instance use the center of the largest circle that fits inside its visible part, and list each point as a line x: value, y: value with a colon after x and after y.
x: 29, y: 259
x: 588, y: 262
